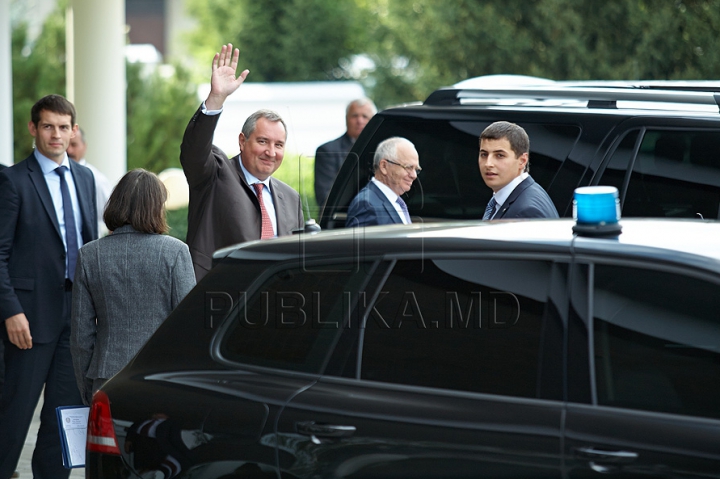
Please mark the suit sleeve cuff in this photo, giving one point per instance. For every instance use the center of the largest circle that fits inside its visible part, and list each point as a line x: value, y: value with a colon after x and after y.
x: 205, y: 111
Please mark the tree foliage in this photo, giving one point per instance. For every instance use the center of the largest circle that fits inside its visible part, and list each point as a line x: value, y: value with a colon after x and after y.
x: 440, y: 43
x: 38, y: 70
x: 158, y: 105
x: 218, y: 21
x: 158, y: 108
x: 283, y: 40
x: 416, y: 45
x: 420, y: 45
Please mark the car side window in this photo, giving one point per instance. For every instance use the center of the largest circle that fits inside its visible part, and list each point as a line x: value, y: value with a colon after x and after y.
x: 656, y: 341
x: 450, y: 185
x: 292, y: 320
x: 489, y: 326
x: 676, y: 173
x: 616, y: 171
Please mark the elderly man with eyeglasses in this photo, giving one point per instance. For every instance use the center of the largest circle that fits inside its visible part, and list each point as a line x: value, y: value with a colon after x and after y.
x: 396, y: 166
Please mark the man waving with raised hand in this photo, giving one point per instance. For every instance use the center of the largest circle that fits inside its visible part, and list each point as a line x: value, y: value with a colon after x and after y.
x: 233, y: 200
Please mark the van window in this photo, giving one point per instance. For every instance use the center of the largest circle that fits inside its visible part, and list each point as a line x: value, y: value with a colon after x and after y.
x: 675, y: 174
x: 450, y: 185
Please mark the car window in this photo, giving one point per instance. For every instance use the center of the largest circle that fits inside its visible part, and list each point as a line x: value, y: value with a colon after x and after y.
x: 293, y: 318
x: 450, y: 185
x: 490, y: 326
x: 656, y: 341
x: 675, y: 174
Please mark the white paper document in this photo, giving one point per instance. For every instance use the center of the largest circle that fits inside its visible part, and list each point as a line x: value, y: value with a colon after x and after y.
x: 73, y: 434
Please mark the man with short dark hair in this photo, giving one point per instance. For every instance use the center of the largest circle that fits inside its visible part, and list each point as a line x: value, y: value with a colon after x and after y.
x: 505, y: 167
x: 47, y: 212
x: 330, y: 156
x: 396, y: 165
x: 234, y: 200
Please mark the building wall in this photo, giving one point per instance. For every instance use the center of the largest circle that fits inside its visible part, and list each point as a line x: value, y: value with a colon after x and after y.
x: 146, y: 19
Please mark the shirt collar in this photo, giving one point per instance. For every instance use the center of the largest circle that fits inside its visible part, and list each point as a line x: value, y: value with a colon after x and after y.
x: 252, y: 179
x: 391, y: 195
x: 47, y: 165
x: 502, y: 195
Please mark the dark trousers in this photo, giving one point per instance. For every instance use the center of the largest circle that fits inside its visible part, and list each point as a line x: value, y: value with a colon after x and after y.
x: 47, y: 365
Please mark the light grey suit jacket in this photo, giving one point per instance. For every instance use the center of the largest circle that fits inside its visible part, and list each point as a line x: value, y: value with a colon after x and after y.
x: 125, y: 286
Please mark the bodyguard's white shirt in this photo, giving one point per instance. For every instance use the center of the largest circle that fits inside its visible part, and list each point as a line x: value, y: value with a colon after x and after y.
x: 504, y: 193
x: 392, y: 196
x: 52, y: 179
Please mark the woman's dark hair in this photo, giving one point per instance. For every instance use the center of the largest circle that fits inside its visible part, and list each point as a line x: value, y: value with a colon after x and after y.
x: 138, y: 200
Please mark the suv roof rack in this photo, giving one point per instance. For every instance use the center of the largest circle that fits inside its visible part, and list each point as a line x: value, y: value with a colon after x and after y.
x: 596, y: 97
x: 524, y: 81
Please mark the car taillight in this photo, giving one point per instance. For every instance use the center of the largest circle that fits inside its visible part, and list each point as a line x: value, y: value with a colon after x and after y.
x: 101, y: 433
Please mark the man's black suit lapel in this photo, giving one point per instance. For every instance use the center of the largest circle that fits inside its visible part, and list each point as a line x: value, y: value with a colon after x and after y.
x: 346, y: 144
x: 519, y: 189
x: 86, y: 196
x: 37, y: 178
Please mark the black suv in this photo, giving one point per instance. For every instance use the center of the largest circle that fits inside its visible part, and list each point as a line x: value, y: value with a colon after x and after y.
x: 455, y: 349
x: 658, y: 143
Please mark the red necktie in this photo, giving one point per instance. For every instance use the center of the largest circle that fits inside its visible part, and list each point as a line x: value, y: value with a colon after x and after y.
x: 266, y: 230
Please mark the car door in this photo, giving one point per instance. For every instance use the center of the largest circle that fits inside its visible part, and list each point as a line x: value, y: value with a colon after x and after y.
x: 272, y: 345
x: 454, y: 371
x: 646, y: 395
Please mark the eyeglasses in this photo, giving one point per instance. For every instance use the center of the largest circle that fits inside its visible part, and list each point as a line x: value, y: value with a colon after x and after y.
x: 407, y: 168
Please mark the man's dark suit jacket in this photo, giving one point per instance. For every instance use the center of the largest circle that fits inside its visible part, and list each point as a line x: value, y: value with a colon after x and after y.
x: 527, y: 200
x: 224, y: 209
x: 32, y: 253
x: 371, y: 207
x: 329, y: 157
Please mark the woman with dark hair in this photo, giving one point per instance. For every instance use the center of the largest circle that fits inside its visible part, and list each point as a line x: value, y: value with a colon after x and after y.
x: 126, y: 283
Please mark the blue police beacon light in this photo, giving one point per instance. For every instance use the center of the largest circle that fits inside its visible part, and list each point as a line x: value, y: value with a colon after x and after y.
x: 596, y: 211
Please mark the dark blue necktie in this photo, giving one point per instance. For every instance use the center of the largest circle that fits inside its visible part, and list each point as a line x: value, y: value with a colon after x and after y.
x: 490, y: 209
x: 71, y: 239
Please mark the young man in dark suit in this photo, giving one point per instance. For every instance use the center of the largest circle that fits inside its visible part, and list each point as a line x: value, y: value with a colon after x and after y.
x: 396, y: 165
x: 234, y: 200
x: 47, y: 211
x: 505, y: 165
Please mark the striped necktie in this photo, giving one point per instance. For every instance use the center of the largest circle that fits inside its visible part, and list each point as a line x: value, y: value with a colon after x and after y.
x: 404, y: 207
x: 490, y: 209
x: 266, y: 230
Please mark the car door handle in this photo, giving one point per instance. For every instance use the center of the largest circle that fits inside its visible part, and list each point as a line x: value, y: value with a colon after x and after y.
x: 607, y: 457
x: 311, y: 428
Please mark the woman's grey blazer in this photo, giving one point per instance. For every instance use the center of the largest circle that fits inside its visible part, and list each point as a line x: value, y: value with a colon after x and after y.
x: 125, y: 286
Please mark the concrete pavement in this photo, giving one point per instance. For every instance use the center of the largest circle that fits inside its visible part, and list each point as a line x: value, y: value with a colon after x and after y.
x: 24, y: 465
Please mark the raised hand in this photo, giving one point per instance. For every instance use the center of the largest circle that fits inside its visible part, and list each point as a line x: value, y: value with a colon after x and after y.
x: 223, y: 81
